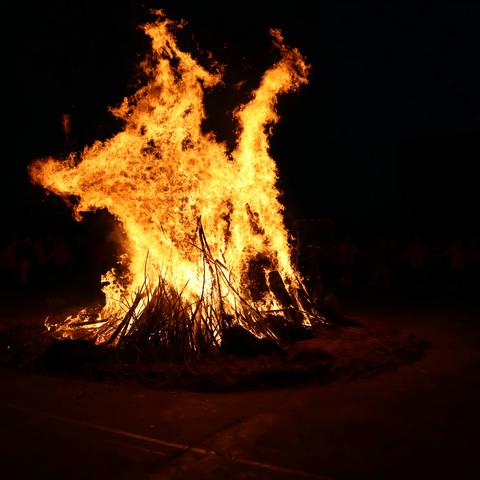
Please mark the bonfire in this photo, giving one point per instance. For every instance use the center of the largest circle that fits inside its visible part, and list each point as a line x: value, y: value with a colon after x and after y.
x: 206, y: 249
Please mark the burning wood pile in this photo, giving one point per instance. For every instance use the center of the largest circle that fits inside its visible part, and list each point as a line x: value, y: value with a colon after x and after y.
x: 206, y: 249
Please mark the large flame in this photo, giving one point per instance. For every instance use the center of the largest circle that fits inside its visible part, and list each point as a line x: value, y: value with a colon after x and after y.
x: 164, y: 180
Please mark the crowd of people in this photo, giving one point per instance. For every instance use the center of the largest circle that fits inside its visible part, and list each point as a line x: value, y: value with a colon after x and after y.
x: 378, y: 262
x: 382, y: 263
x: 38, y: 262
x: 25, y: 261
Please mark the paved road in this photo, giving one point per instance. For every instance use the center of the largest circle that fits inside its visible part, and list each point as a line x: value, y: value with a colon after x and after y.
x: 419, y: 421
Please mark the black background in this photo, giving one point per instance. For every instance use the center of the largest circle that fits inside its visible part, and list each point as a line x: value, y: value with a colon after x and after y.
x: 385, y: 136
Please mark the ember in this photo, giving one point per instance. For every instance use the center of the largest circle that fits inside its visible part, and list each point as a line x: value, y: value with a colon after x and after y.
x: 206, y: 248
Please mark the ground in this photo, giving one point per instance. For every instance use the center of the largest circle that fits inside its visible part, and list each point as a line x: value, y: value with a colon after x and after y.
x: 419, y: 420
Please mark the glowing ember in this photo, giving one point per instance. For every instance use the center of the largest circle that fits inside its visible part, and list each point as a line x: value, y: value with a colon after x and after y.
x: 204, y: 228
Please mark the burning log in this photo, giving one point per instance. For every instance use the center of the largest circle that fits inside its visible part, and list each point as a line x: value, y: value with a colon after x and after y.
x: 278, y: 288
x: 239, y: 341
x: 257, y: 278
x: 172, y: 187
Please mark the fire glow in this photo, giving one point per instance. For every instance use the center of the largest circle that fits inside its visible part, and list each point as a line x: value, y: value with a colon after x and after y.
x: 203, y: 226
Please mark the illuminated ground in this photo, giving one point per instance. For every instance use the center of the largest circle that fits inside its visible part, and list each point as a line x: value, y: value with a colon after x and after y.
x: 418, y: 421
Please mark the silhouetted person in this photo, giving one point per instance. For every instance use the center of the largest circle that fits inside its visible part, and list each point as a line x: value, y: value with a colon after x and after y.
x: 9, y: 264
x: 60, y: 257
x: 347, y: 253
x: 25, y: 260
x: 416, y: 256
x: 40, y: 260
x: 473, y: 264
x: 456, y: 254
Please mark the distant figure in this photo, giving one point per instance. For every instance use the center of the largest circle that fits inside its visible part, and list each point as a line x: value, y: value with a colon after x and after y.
x: 317, y: 290
x: 40, y: 259
x: 9, y: 264
x: 416, y: 255
x: 473, y: 262
x: 60, y: 257
x: 474, y: 255
x: 312, y: 261
x: 318, y: 274
x: 457, y: 262
x: 25, y: 260
x: 347, y: 253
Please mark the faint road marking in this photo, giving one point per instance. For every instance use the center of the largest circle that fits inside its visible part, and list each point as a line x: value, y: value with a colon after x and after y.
x: 165, y: 443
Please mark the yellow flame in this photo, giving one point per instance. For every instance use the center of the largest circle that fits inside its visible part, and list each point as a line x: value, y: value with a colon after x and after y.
x: 161, y: 174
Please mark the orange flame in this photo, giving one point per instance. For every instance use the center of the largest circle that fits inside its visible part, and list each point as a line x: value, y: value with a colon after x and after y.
x: 161, y: 176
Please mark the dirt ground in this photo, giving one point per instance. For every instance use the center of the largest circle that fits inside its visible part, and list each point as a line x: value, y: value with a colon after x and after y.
x: 415, y: 420
x: 345, y: 349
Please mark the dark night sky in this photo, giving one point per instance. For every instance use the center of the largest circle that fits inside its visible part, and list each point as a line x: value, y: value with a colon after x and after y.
x: 386, y: 133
